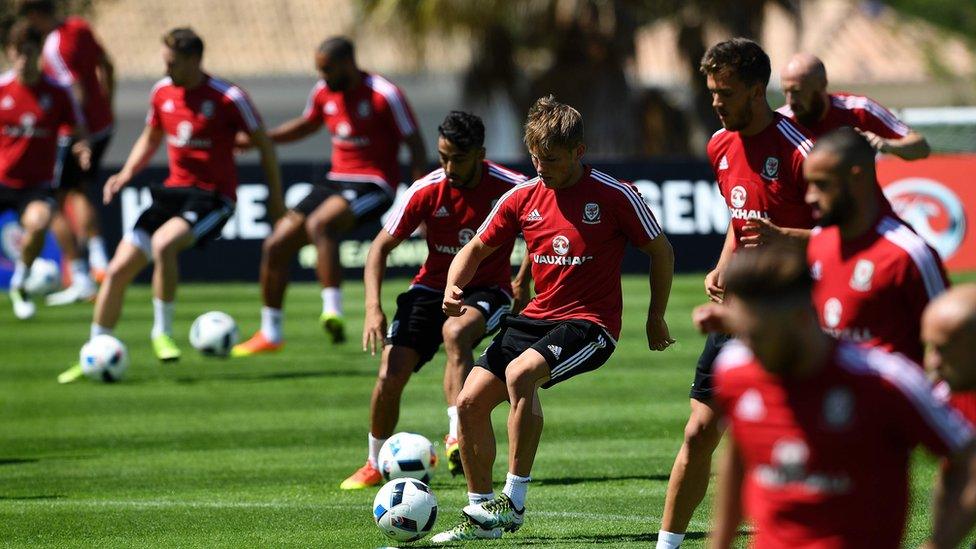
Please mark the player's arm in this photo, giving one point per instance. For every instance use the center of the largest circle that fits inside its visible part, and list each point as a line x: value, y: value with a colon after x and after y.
x: 763, y: 231
x: 291, y: 130
x: 661, y: 275
x: 728, y: 499
x: 461, y: 272
x: 954, y: 501
x: 374, y: 325
x: 418, y: 155
x: 140, y: 155
x: 272, y: 173
x: 913, y: 146
x: 522, y: 285
x: 715, y: 279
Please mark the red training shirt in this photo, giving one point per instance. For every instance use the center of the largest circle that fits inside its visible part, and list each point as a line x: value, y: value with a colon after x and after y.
x: 72, y: 54
x: 856, y: 111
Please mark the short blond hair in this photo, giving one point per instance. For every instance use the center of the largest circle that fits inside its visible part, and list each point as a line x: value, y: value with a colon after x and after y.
x: 553, y: 124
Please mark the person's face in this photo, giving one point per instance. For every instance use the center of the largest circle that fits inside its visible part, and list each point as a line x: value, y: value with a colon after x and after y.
x: 179, y: 67
x: 732, y: 99
x: 948, y: 355
x: 24, y: 59
x: 804, y: 97
x: 557, y: 165
x: 460, y: 166
x: 770, y: 332
x: 828, y: 189
x: 337, y: 73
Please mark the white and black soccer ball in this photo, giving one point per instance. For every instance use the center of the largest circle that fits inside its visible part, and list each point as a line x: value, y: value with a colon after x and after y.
x: 104, y: 358
x: 213, y: 333
x: 407, y: 455
x: 405, y: 509
x: 44, y: 277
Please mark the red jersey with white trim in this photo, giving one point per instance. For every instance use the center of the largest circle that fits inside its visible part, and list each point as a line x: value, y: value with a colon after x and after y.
x: 200, y: 124
x: 872, y: 289
x: 367, y: 124
x: 29, y: 120
x: 72, y: 54
x: 576, y: 239
x: 761, y: 175
x: 452, y: 216
x: 963, y: 402
x: 826, y: 458
x: 856, y: 111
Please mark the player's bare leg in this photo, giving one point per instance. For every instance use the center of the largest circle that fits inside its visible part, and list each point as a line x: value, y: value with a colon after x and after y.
x: 396, y: 367
x: 692, y: 467
x: 35, y: 220
x: 460, y: 335
x: 127, y: 262
x: 277, y: 252
x: 324, y: 226
x: 88, y: 232
x: 167, y: 242
x: 82, y: 286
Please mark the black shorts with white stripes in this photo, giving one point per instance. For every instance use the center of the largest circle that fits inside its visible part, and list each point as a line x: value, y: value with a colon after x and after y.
x: 205, y: 211
x: 570, y: 347
x: 418, y: 320
x: 368, y: 201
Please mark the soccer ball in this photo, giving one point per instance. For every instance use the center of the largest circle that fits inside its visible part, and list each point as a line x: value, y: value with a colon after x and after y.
x: 44, y: 277
x: 213, y: 333
x: 407, y: 455
x: 104, y: 358
x: 405, y: 509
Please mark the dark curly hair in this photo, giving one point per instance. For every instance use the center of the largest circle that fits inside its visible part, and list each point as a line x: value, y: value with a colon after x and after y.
x: 739, y: 56
x: 465, y: 130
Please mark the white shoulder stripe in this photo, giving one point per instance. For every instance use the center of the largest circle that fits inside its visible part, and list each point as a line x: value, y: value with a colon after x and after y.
x: 644, y: 213
x: 502, y: 199
x: 395, y: 99
x: 51, y: 51
x: 734, y: 354
x: 922, y: 255
x: 505, y: 175
x: 801, y: 143
x: 8, y: 77
x: 240, y: 100
x: 163, y: 82
x: 786, y: 111
x: 907, y: 377
x: 433, y: 178
x: 311, y: 97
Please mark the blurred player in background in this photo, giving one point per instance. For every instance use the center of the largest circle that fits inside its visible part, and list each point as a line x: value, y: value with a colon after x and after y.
x: 822, y: 431
x: 948, y: 332
x: 198, y: 115
x: 368, y: 118
x: 451, y: 203
x: 74, y: 57
x: 577, y: 222
x: 33, y: 108
x: 873, y: 276
x: 757, y: 158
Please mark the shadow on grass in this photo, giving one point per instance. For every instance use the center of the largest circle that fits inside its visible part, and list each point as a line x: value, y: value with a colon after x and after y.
x: 649, y: 537
x: 569, y: 481
x: 275, y: 376
x: 17, y: 461
x: 30, y: 498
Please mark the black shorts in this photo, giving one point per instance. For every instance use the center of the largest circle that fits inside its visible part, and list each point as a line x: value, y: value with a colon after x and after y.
x: 702, y: 388
x: 418, y: 320
x: 68, y: 174
x: 18, y: 199
x: 205, y: 211
x: 571, y: 347
x: 368, y: 201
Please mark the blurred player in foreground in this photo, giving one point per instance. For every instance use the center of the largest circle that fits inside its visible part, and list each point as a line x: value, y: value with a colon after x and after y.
x: 948, y: 332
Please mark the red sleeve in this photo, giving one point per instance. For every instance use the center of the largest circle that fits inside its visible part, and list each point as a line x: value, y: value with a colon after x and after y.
x: 412, y: 212
x: 71, y: 113
x: 313, y: 107
x: 152, y: 116
x: 502, y: 224
x: 634, y: 218
x: 877, y: 119
x: 399, y: 110
x: 242, y: 112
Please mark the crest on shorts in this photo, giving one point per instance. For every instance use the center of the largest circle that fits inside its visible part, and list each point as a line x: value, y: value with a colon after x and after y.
x: 771, y: 167
x: 363, y: 109
x: 44, y: 102
x: 465, y: 236
x: 591, y: 213
x: 207, y: 108
x: 861, y: 279
x: 737, y: 196
x: 838, y: 407
x: 560, y: 245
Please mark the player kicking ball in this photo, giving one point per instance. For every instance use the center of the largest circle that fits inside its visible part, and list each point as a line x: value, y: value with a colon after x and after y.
x: 451, y: 202
x: 577, y: 222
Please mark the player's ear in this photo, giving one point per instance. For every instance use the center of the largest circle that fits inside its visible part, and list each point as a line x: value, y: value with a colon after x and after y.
x: 580, y: 151
x: 481, y: 154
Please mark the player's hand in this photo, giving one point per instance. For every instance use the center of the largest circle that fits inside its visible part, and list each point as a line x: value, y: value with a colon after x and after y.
x: 877, y: 142
x: 761, y: 231
x: 374, y: 330
x: 521, y: 294
x: 710, y: 317
x: 114, y: 185
x: 658, y: 336
x: 242, y: 142
x: 715, y: 286
x: 82, y: 151
x: 453, y: 304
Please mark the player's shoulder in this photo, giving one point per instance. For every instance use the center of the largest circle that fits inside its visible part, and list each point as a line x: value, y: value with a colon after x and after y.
x: 383, y: 87
x: 506, y: 175
x: 910, y: 248
x: 719, y: 142
x: 8, y: 77
x: 427, y: 183
x: 735, y: 359
x: 878, y: 365
x: 225, y: 88
x: 53, y: 83
x: 786, y: 111
x: 851, y: 101
x: 610, y: 185
x: 161, y: 86
x: 77, y: 23
x: 796, y: 138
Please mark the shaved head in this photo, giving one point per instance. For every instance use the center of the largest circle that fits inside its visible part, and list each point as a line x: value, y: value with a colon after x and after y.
x: 805, y: 67
x: 948, y: 331
x: 804, y: 81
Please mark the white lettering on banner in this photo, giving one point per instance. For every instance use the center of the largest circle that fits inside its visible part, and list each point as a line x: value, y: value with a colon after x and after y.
x: 296, y: 192
x: 686, y: 207
x: 246, y: 222
x: 410, y: 253
x: 677, y: 197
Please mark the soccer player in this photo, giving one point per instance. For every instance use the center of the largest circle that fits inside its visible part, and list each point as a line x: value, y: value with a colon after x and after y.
x: 368, y: 118
x: 198, y: 115
x: 873, y: 276
x: 451, y: 202
x: 577, y: 222
x: 757, y: 158
x: 804, y: 81
x: 32, y: 109
x: 948, y: 332
x: 822, y: 430
x: 74, y: 57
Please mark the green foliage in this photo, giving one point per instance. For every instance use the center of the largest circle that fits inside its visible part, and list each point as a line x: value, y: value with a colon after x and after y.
x: 954, y: 15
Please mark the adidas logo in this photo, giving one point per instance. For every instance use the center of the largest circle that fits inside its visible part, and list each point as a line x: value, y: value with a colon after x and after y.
x: 7, y: 103
x: 168, y: 106
x: 442, y: 212
x: 556, y: 351
x: 724, y: 163
x: 534, y: 215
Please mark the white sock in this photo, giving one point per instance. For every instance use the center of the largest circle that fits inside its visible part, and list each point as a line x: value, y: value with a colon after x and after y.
x: 97, y: 255
x: 79, y: 272
x: 374, y: 449
x: 515, y: 488
x: 332, y: 301
x: 97, y: 330
x: 21, y: 270
x: 452, y: 414
x: 669, y: 540
x: 271, y: 324
x: 475, y: 498
x: 162, y: 317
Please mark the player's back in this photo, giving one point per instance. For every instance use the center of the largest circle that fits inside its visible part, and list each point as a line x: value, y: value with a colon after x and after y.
x: 71, y: 53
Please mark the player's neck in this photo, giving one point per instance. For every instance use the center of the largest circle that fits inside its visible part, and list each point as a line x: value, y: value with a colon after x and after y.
x: 29, y: 77
x: 194, y: 80
x: 759, y: 122
x: 815, y: 346
x: 573, y: 178
x: 864, y: 221
x: 826, y: 107
x: 479, y: 171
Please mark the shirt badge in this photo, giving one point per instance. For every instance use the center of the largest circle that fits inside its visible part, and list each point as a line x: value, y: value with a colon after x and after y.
x: 591, y: 213
x: 771, y: 167
x: 861, y: 279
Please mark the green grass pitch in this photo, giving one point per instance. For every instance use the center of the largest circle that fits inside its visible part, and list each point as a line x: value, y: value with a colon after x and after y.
x: 250, y: 452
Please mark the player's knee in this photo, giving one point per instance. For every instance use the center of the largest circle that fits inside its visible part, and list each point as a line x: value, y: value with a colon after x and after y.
x: 701, y: 437
x: 273, y: 248
x: 522, y: 374
x: 394, y: 375
x: 457, y: 334
x: 36, y: 219
x: 468, y: 405
x: 319, y: 228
